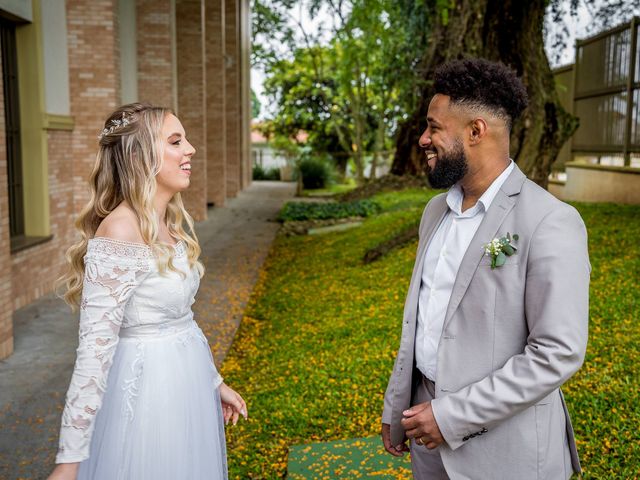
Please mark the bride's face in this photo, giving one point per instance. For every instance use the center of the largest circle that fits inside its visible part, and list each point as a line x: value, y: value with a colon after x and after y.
x: 174, y: 174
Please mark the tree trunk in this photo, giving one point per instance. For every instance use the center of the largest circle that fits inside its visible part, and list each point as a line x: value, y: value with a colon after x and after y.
x: 377, y: 148
x: 509, y: 31
x: 358, y: 161
x: 341, y: 159
x: 359, y: 121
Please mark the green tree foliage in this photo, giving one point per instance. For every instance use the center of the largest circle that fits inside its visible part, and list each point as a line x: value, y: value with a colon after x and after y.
x: 350, y: 92
x: 359, y: 84
x: 255, y: 104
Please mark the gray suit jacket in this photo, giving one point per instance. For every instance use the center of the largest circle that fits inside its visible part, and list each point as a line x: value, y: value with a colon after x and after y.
x: 512, y: 336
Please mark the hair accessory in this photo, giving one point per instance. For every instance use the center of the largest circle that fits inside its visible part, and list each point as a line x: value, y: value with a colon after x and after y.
x: 115, y: 125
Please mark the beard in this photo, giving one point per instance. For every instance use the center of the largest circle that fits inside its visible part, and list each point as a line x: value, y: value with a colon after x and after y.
x: 450, y: 167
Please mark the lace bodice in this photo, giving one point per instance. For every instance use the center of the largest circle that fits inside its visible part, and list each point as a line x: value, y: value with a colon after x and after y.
x: 122, y: 292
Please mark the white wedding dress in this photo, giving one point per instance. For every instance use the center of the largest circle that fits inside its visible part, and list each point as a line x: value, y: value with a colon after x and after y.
x: 143, y: 403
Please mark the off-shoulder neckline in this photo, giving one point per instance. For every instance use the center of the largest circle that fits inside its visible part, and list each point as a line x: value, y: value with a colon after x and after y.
x: 131, y: 244
x: 122, y: 248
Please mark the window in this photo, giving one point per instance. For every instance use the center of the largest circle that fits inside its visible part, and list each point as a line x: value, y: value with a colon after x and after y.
x: 12, y: 127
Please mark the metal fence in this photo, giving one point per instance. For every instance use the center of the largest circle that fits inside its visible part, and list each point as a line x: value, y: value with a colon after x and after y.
x: 564, y: 87
x: 602, y: 88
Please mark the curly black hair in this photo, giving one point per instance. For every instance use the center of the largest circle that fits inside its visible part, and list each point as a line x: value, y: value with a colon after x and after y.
x: 479, y: 83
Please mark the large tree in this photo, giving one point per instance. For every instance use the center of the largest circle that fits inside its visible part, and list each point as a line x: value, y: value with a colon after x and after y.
x: 353, y: 87
x: 381, y: 48
x: 509, y: 31
x: 303, y: 93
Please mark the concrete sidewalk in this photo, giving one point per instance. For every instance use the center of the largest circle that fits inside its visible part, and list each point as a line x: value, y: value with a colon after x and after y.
x: 33, y: 381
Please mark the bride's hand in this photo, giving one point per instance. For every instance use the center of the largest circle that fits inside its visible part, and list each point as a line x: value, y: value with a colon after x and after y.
x: 65, y: 471
x: 232, y: 404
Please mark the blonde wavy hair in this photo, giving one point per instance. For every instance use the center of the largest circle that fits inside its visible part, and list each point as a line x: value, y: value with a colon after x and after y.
x: 128, y: 160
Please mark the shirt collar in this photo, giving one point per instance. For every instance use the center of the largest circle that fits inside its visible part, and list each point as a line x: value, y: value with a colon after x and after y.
x: 455, y: 195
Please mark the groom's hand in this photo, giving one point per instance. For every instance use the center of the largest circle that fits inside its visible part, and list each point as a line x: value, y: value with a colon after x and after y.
x: 419, y: 423
x: 396, y: 451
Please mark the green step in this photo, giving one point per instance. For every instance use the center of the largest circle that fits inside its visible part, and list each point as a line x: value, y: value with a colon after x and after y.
x: 352, y: 459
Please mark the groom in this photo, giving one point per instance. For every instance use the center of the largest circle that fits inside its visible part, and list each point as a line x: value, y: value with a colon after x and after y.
x: 490, y: 332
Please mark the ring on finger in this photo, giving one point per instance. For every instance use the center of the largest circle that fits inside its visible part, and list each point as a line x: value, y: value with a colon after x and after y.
x: 419, y: 441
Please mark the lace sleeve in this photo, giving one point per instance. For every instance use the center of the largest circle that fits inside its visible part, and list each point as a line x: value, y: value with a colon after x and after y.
x: 109, y: 282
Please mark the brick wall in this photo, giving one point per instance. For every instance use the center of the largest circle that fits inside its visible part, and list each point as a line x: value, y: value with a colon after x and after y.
x: 215, y: 102
x: 245, y: 94
x: 232, y: 95
x: 209, y: 101
x: 155, y: 63
x: 94, y: 82
x: 191, y: 98
x: 6, y: 303
x: 47, y: 259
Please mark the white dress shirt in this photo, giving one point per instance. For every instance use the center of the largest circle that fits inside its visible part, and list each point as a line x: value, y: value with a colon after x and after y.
x: 442, y: 261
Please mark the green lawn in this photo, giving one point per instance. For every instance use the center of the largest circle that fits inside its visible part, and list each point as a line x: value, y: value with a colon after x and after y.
x: 331, y: 190
x: 315, y: 349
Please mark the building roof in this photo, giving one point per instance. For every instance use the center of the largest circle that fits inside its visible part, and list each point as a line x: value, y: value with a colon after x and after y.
x: 257, y: 137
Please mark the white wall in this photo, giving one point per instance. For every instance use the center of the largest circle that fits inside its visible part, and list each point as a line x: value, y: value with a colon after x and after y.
x: 587, y: 183
x: 266, y: 157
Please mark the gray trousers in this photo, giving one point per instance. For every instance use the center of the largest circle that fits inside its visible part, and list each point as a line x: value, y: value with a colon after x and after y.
x: 426, y: 464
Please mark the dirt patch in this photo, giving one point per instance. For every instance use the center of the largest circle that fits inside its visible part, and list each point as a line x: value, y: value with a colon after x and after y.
x: 400, y: 240
x: 388, y: 183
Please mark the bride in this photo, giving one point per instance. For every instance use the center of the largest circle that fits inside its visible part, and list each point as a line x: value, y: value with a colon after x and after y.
x: 145, y: 400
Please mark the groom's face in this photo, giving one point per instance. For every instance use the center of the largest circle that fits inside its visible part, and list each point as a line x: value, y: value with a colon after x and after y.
x: 442, y: 144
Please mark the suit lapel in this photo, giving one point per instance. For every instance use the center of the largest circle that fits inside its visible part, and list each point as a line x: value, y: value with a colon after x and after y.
x: 488, y: 229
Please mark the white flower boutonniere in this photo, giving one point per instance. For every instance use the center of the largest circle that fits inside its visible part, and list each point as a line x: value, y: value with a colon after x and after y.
x: 501, y: 248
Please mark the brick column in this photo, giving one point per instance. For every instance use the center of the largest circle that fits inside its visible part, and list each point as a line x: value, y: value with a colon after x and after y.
x: 155, y: 20
x: 215, y: 102
x: 245, y: 95
x: 94, y: 82
x: 6, y: 301
x: 232, y: 106
x: 191, y: 98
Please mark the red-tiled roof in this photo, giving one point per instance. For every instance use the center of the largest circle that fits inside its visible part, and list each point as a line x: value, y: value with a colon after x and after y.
x: 258, y: 137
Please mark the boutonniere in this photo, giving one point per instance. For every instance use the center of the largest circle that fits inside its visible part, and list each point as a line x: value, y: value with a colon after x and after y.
x: 501, y: 248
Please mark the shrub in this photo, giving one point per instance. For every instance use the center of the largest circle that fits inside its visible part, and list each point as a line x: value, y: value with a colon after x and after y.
x: 325, y: 210
x: 315, y: 172
x: 258, y: 172
x: 272, y: 174
x: 261, y: 173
